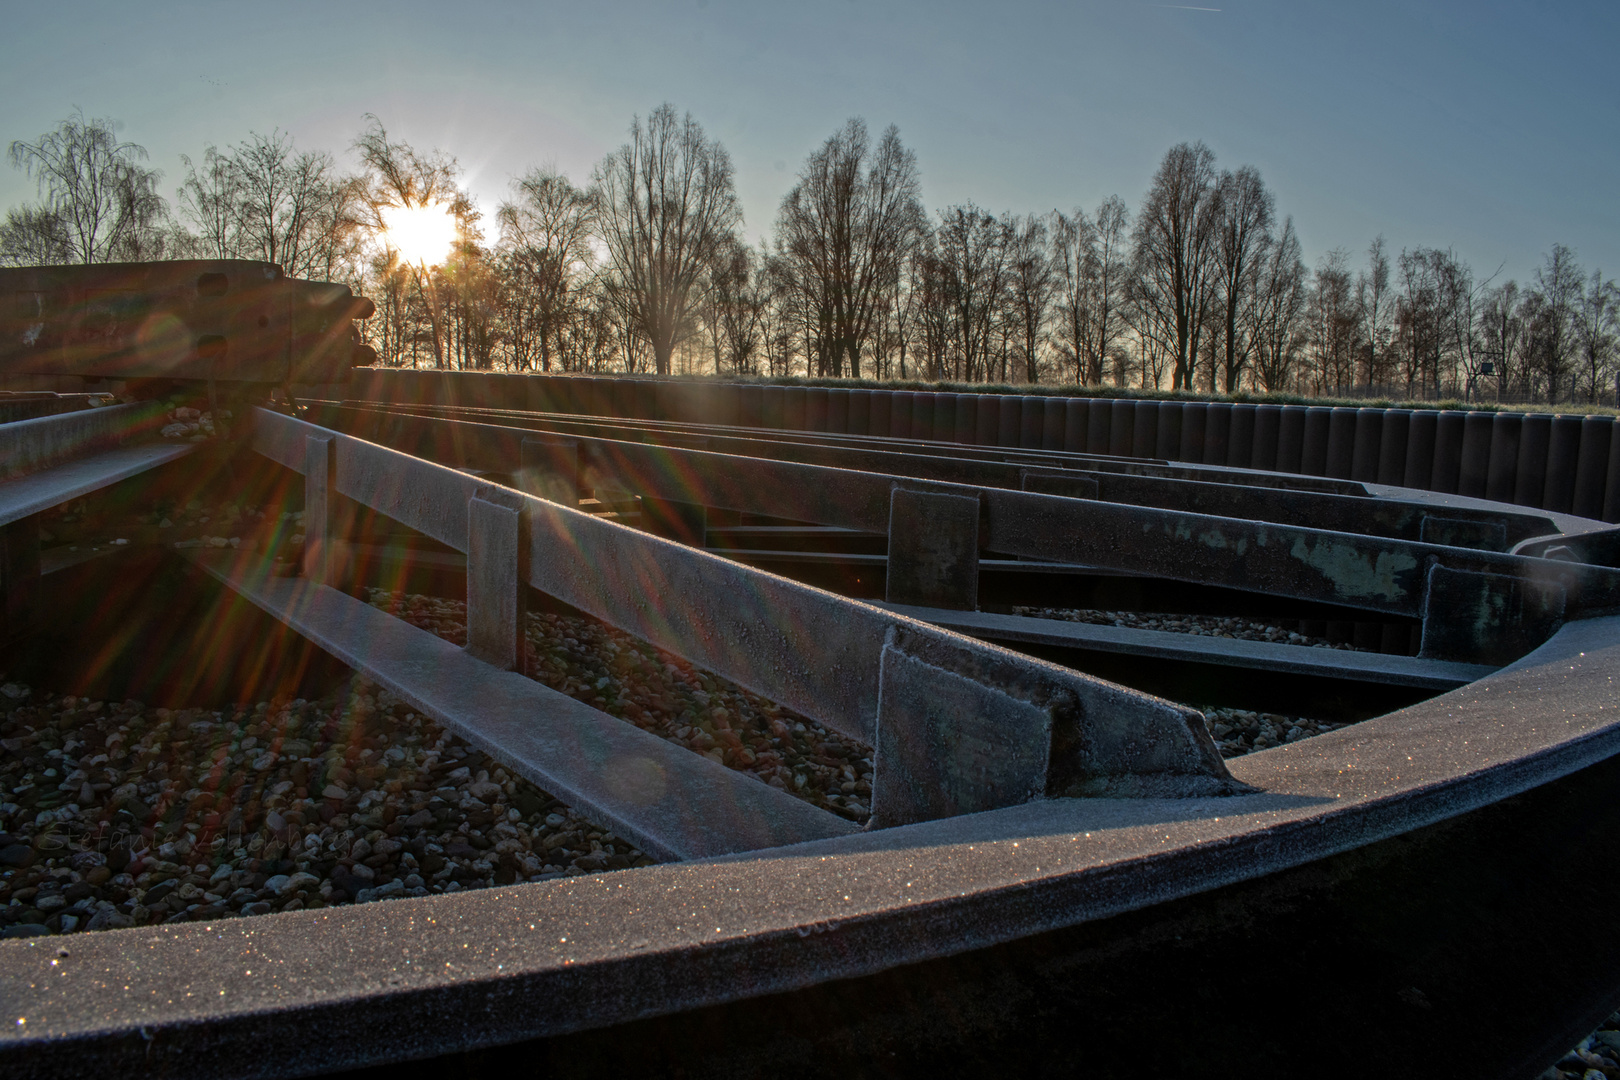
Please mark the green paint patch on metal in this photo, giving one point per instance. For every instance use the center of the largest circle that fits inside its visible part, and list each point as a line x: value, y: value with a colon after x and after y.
x: 1354, y: 575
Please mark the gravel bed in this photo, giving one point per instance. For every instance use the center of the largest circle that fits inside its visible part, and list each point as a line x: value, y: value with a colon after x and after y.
x: 663, y: 694
x: 121, y: 814
x: 1595, y: 1057
x: 1201, y: 625
x: 1243, y: 731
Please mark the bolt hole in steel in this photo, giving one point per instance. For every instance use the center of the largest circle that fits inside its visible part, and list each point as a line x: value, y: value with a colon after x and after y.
x: 1026, y: 807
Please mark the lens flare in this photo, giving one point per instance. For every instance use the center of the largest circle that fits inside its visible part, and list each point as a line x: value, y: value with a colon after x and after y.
x: 422, y: 235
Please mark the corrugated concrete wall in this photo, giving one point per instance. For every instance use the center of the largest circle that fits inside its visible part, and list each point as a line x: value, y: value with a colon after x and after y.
x: 1569, y: 464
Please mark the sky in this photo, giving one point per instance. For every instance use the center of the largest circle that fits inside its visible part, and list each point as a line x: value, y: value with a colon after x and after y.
x: 1489, y: 128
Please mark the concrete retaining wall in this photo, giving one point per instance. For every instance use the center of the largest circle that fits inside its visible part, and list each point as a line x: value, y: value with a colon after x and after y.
x: 1569, y: 464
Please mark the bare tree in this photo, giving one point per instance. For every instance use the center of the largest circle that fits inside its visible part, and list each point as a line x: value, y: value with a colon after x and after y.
x: 1244, y: 210
x: 1093, y: 270
x: 1558, y: 292
x: 1277, y: 309
x: 1333, y: 321
x: 400, y: 177
x: 1597, y: 325
x: 267, y: 201
x: 972, y: 268
x: 104, y: 203
x: 1502, y: 334
x: 546, y: 232
x: 1031, y: 283
x: 32, y: 236
x: 667, y: 204
x: 845, y: 228
x: 1175, y: 247
x: 1372, y: 297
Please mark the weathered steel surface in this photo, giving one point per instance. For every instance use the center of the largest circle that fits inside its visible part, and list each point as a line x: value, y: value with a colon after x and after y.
x: 933, y: 557
x: 30, y: 445
x: 1384, y: 574
x: 57, y: 484
x: 497, y: 579
x: 1233, y: 652
x: 668, y: 801
x: 811, y: 650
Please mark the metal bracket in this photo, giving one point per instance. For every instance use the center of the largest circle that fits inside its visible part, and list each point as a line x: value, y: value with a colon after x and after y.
x: 497, y: 578
x: 933, y: 549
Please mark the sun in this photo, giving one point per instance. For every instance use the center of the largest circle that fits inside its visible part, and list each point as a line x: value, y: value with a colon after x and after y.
x: 423, y: 235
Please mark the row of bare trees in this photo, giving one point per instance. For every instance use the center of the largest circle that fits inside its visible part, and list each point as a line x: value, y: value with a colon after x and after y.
x: 1203, y: 287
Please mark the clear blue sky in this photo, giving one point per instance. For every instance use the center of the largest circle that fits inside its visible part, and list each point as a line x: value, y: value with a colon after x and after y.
x: 1493, y: 128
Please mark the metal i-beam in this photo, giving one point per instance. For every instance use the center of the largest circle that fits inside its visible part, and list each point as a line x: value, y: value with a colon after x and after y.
x: 820, y: 654
x: 1382, y: 574
x: 668, y: 801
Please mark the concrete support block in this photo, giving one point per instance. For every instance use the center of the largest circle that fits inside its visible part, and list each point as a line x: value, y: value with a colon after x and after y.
x: 1611, y: 484
x: 1502, y: 463
x: 1476, y: 454
x: 1054, y: 422
x: 19, y: 575
x: 1369, y: 441
x: 1101, y: 412
x: 987, y: 419
x: 922, y: 415
x: 1592, y: 466
x: 1341, y: 444
x: 497, y: 579
x: 1563, y: 456
x: 1392, y: 447
x: 1194, y: 420
x: 945, y: 417
x: 900, y: 414
x: 815, y: 408
x: 751, y: 407
x: 1420, y: 449
x: 1486, y: 618
x: 967, y: 419
x: 933, y: 549
x: 647, y: 400
x: 838, y: 410
x: 1032, y: 415
x: 1240, y: 442
x: 1145, y: 432
x: 1448, y: 446
x: 1076, y: 424
x: 1530, y: 479
x: 881, y: 412
x: 773, y: 407
x: 320, y: 482
x: 1314, y: 453
x: 947, y: 745
x: 860, y: 412
x: 1010, y: 428
x: 1217, y: 433
x: 1291, y: 439
x: 1122, y: 427
x: 1167, y: 443
x: 1267, y: 429
x: 549, y: 468
x: 793, y: 408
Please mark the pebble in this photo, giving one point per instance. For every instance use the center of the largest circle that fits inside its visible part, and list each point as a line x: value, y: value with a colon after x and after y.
x: 1596, y: 1057
x: 185, y: 820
